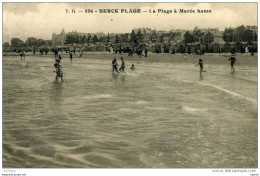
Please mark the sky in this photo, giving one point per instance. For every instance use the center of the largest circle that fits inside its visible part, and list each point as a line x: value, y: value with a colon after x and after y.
x: 41, y: 20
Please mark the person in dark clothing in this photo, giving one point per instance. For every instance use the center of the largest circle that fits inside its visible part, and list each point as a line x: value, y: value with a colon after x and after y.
x: 233, y: 60
x: 122, y: 68
x: 139, y: 52
x: 201, y: 65
x: 130, y: 53
x: 22, y: 55
x: 145, y: 52
x: 56, y: 53
x: 71, y: 57
x: 41, y: 51
x: 114, y: 65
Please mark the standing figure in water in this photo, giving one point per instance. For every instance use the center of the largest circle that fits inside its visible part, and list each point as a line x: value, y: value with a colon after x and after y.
x: 122, y: 68
x: 22, y: 55
x: 59, y: 73
x: 114, y: 65
x: 233, y: 60
x: 71, y: 57
x: 201, y: 65
x: 145, y: 52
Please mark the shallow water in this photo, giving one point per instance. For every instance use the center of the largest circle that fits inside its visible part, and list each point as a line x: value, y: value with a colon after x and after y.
x: 161, y: 115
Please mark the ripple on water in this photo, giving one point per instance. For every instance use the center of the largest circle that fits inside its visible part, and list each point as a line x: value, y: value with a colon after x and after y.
x: 96, y: 120
x: 44, y: 150
x: 102, y: 160
x: 81, y: 150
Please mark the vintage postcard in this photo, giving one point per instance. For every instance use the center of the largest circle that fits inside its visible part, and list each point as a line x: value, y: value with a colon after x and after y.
x: 130, y: 85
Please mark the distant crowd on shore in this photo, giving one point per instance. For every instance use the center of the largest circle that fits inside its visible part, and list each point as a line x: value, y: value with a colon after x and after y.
x: 140, y: 52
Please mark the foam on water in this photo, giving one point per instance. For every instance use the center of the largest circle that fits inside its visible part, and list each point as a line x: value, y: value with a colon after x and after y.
x: 193, y: 110
x: 104, y: 96
x: 234, y: 94
x: 141, y: 102
x: 98, y: 96
x: 229, y: 92
x: 42, y: 68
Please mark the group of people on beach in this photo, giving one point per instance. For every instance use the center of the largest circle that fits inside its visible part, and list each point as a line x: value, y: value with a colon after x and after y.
x: 122, y: 68
x: 140, y: 52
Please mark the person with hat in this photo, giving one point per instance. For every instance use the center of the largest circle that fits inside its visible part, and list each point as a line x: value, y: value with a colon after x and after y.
x: 233, y: 60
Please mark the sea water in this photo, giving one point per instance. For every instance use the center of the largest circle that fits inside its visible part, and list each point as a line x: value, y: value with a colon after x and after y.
x: 162, y: 115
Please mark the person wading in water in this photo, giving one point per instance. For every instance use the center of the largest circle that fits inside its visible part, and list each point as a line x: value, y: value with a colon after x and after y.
x: 201, y: 65
x: 233, y: 60
x: 122, y: 68
x: 59, y: 73
x: 115, y: 65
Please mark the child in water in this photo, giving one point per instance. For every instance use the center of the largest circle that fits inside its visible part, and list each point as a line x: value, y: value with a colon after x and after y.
x: 133, y: 67
x: 201, y: 65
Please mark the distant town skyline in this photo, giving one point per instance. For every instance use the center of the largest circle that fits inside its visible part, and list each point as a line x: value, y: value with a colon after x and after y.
x: 41, y: 20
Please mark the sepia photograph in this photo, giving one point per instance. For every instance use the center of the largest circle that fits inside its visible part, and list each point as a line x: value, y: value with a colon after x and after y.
x: 130, y: 85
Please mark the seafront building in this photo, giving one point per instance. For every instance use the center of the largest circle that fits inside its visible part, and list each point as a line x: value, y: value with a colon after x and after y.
x: 172, y: 41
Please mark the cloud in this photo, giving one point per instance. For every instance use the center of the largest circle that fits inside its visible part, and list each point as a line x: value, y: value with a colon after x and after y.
x: 41, y: 20
x: 20, y: 8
